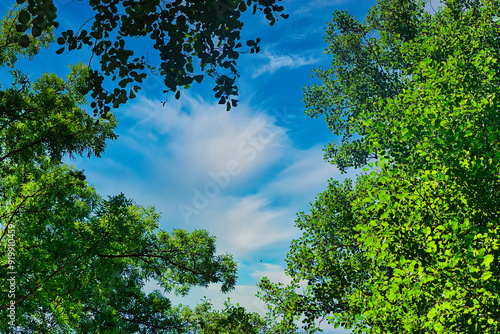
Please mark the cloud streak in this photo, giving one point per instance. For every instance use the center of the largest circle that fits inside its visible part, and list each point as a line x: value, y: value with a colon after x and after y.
x: 276, y: 62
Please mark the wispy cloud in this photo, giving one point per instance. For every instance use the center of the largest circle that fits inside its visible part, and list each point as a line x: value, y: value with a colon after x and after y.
x: 275, y: 273
x: 276, y: 62
x: 252, y: 226
x: 242, y: 294
x: 185, y: 153
x: 235, y: 173
x: 206, y: 138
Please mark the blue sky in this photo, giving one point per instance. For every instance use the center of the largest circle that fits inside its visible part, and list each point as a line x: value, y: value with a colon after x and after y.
x: 244, y: 174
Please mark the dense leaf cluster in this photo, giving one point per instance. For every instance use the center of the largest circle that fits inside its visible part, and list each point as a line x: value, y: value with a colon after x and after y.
x: 413, y: 246
x: 82, y: 261
x: 70, y: 260
x: 233, y: 319
x: 184, y: 34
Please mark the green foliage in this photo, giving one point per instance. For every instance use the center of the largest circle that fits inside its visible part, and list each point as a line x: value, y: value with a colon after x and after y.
x: 13, y: 43
x: 233, y: 319
x: 44, y: 118
x: 71, y: 261
x: 367, y: 65
x: 82, y: 261
x: 413, y: 247
x: 182, y: 31
x: 327, y: 259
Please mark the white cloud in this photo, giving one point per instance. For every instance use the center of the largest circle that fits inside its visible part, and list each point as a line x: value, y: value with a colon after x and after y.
x: 243, y: 295
x: 275, y: 62
x: 252, y: 227
x: 305, y: 177
x: 234, y: 173
x: 167, y: 156
x: 204, y: 140
x: 275, y: 273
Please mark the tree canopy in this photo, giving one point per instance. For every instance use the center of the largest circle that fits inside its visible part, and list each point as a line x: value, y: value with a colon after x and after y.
x: 184, y: 34
x: 80, y: 262
x: 413, y: 245
x: 233, y: 319
x: 72, y: 261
